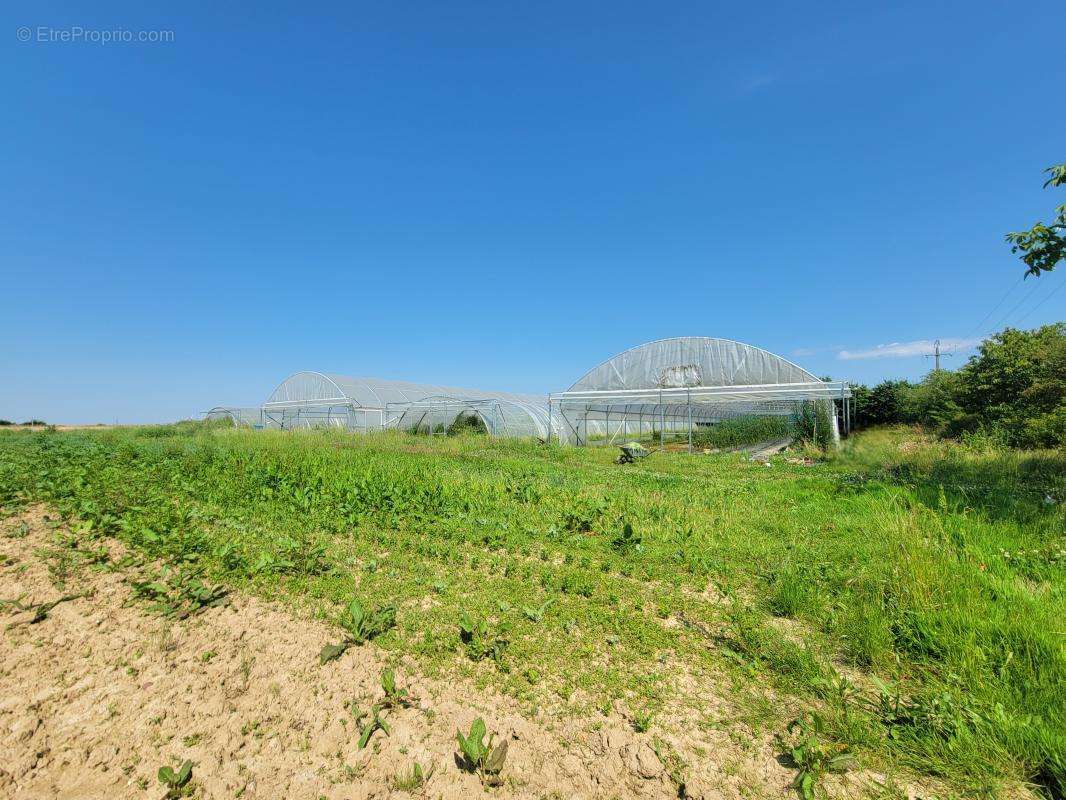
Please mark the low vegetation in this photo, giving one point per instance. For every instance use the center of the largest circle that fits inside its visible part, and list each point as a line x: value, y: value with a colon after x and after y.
x: 902, y: 599
x: 745, y: 430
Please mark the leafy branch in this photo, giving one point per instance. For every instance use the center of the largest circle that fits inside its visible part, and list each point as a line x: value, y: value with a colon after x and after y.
x: 1044, y: 245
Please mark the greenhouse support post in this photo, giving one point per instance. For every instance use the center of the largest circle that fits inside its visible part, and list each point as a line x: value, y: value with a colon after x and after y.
x: 688, y: 408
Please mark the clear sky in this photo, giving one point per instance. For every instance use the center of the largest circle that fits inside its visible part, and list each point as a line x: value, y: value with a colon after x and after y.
x: 502, y: 195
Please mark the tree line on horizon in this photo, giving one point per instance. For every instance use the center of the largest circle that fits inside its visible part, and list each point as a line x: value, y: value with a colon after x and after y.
x: 1013, y: 389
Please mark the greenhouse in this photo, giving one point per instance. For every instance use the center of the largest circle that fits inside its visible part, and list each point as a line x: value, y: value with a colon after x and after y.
x: 315, y: 399
x: 678, y: 386
x: 671, y: 388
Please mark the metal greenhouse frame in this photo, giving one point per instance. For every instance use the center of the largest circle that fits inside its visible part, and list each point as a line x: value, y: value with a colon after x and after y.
x: 677, y: 385
x: 670, y: 386
x: 315, y: 399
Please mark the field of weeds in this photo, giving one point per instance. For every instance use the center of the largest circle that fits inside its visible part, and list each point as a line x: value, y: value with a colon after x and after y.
x: 894, y: 613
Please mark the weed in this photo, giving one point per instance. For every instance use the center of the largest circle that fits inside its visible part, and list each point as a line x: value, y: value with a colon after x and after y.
x: 361, y: 626
x: 537, y: 614
x: 394, y: 696
x: 813, y: 756
x: 19, y: 531
x: 627, y: 541
x: 375, y: 723
x: 412, y: 780
x: 481, y: 756
x: 478, y: 639
x: 839, y: 690
x: 178, y: 593
x: 789, y: 596
x: 40, y: 610
x: 642, y: 722
x: 177, y: 783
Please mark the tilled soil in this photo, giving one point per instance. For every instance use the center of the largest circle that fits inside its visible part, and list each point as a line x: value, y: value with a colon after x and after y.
x: 98, y: 695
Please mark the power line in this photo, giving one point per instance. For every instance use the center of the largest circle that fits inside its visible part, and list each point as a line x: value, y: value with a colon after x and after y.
x: 984, y: 319
x: 1046, y: 298
x: 1017, y: 305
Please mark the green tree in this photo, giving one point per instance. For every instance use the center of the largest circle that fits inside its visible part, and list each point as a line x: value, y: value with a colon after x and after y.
x: 1017, y: 384
x: 934, y: 401
x: 884, y: 404
x: 1043, y: 246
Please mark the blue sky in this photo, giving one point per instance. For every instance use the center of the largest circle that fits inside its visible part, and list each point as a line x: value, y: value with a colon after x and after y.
x: 503, y: 195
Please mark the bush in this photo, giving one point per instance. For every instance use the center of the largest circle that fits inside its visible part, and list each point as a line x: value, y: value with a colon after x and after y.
x: 932, y: 402
x: 1017, y: 382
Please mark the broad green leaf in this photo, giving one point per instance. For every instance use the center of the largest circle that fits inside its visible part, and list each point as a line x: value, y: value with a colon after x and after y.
x: 388, y: 682
x: 477, y: 731
x: 355, y: 611
x: 367, y: 730
x: 842, y: 763
x: 184, y: 773
x: 466, y: 747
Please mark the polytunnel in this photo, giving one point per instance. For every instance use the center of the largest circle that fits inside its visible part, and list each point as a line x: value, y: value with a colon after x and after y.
x: 667, y: 387
x: 672, y: 386
x: 316, y: 399
x: 252, y: 417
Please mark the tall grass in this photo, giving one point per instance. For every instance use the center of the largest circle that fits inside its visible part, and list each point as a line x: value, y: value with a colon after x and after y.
x: 935, y: 568
x: 741, y: 431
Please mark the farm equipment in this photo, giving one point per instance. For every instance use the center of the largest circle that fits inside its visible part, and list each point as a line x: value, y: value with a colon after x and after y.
x: 631, y: 451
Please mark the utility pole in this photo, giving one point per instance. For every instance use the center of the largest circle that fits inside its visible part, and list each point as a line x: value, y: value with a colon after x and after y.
x: 936, y: 354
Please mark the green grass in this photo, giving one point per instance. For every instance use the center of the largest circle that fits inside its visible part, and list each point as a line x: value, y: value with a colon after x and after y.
x: 935, y: 568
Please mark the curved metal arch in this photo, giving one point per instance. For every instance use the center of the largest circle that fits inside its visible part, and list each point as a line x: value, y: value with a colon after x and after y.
x: 537, y: 416
x: 341, y: 394
x: 222, y: 412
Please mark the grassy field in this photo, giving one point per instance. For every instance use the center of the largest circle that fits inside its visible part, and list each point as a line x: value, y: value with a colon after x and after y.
x: 908, y: 592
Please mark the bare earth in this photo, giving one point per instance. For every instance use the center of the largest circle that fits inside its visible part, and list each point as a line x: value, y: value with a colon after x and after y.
x: 101, y: 693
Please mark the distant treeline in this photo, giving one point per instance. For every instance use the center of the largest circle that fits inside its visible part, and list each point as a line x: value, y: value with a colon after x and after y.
x: 1013, y: 389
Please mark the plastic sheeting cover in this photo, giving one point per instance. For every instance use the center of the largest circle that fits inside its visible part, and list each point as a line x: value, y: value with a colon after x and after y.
x: 691, y: 361
x: 520, y: 414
